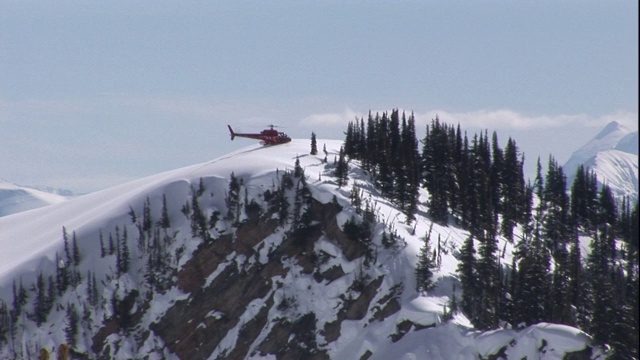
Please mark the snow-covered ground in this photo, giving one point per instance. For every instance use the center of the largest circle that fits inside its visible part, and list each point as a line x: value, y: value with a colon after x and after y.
x: 30, y: 241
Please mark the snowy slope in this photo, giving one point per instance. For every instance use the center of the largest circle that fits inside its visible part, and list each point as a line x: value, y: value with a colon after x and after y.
x: 30, y: 242
x: 15, y: 198
x: 90, y: 212
x: 613, y: 156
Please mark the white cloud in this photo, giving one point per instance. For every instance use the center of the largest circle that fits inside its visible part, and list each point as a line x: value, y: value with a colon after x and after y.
x: 501, y: 119
x: 484, y: 119
x: 331, y: 119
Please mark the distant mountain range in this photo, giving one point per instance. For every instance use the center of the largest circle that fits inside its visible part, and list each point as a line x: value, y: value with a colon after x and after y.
x: 613, y: 156
x: 16, y: 198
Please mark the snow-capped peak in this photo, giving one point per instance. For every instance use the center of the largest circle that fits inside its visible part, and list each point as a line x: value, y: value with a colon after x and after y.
x: 607, y: 139
x: 613, y: 156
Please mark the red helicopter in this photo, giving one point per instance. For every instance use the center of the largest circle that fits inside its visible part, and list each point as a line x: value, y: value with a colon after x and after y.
x: 267, y: 136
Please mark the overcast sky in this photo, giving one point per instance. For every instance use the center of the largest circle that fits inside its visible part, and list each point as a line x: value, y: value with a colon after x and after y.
x: 96, y: 93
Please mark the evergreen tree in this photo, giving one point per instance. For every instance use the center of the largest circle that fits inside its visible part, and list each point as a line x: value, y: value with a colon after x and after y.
x: 602, y: 291
x: 103, y: 251
x: 513, y: 190
x: 580, y: 201
x: 424, y: 273
x: 123, y: 254
x: 576, y: 283
x: 467, y: 268
x: 199, y: 224
x: 496, y: 176
x: 40, y: 308
x: 233, y: 199
x: 489, y: 283
x: 560, y: 290
x: 383, y: 160
x: 71, y: 330
x: 67, y: 251
x: 304, y: 194
x: 350, y: 141
x: 314, y: 145
x: 63, y: 278
x: 51, y: 293
x: 75, y: 250
x: 112, y: 245
x: 437, y: 170
x: 342, y: 169
x: 411, y: 168
x: 533, y: 285
x: 458, y: 157
x: 165, y: 222
x: 557, y: 208
x: 324, y: 150
x: 282, y: 202
x: 297, y: 169
x: 371, y: 142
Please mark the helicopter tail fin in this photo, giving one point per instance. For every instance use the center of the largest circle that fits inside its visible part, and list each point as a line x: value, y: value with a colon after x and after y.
x: 233, y: 135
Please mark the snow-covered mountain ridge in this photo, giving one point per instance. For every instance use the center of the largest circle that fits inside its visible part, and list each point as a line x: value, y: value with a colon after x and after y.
x: 15, y: 198
x: 245, y: 285
x: 613, y: 156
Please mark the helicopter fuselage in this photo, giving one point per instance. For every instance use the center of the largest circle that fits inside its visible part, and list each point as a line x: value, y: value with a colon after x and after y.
x: 266, y: 136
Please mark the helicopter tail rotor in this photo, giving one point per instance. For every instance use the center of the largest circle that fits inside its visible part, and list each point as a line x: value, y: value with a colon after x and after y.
x: 233, y: 135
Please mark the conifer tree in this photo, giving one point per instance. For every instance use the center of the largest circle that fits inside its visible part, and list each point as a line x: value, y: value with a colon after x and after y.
x: 233, y: 199
x: 147, y: 222
x: 349, y: 141
x: 411, y: 167
x: 602, y: 291
x: 314, y: 145
x: 467, y: 268
x: 560, y: 290
x: 123, y: 254
x: 102, y: 249
x: 459, y: 157
x: 513, y: 190
x: 62, y: 275
x: 579, y: 197
x: 438, y: 172
x: 67, y: 250
x: 557, y: 208
x: 533, y: 285
x: 342, y: 168
x: 424, y: 273
x: 496, y: 176
x: 384, y: 178
x: 489, y: 282
x: 112, y: 245
x: 71, y: 330
x: 370, y: 155
x: 304, y: 194
x: 297, y: 169
x: 165, y: 222
x: 40, y: 302
x: 199, y: 225
x: 75, y: 250
x: 576, y: 283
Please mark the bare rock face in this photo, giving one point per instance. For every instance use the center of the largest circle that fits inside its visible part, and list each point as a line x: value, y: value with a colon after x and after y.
x: 220, y: 292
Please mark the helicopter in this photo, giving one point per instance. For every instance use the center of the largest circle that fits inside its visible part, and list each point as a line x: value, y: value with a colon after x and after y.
x: 267, y: 136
